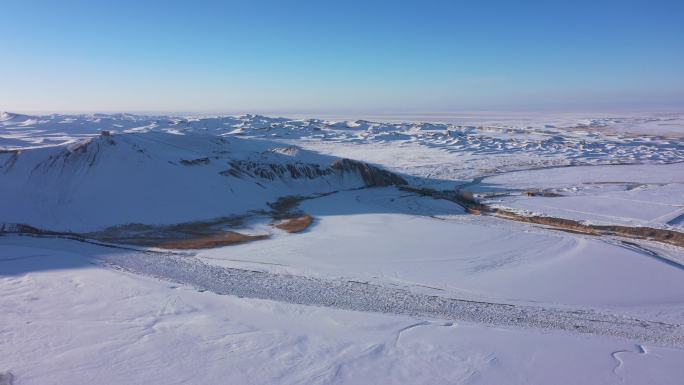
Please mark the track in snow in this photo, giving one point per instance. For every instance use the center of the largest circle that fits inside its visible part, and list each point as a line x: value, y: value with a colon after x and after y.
x: 359, y: 296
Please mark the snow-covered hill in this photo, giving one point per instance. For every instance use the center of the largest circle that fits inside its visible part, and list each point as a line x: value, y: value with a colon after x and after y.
x: 163, y: 178
x: 452, y: 150
x: 60, y: 172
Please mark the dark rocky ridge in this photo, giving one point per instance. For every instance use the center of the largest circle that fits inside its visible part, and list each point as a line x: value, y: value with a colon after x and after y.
x: 372, y: 176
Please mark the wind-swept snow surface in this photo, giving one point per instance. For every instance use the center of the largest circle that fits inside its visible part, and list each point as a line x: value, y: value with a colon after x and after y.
x: 110, y: 279
x: 75, y: 322
x: 443, y: 251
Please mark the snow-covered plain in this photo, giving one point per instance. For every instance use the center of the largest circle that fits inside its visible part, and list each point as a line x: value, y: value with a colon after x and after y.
x: 65, y: 320
x: 385, y: 287
x: 642, y: 195
x: 462, y: 256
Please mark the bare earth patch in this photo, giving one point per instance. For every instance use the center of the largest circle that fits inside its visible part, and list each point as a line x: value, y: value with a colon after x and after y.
x: 295, y: 225
x: 189, y: 235
x: 472, y: 206
x: 210, y: 241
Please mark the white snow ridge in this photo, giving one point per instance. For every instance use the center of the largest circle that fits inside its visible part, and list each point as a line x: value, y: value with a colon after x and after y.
x: 253, y: 249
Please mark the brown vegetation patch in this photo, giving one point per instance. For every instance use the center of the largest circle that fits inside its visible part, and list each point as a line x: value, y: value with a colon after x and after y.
x: 288, y: 207
x: 225, y: 238
x: 199, y: 240
x: 188, y: 235
x: 638, y: 232
x: 472, y: 206
x: 295, y: 225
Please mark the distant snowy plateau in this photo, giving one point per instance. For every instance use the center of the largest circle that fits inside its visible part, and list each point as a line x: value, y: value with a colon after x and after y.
x: 256, y: 250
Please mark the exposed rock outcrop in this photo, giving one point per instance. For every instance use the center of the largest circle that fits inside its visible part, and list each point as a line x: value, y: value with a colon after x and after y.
x: 372, y: 176
x: 273, y: 171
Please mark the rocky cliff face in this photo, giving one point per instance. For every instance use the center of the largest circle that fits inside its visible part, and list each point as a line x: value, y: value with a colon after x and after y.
x: 372, y: 176
x: 273, y: 171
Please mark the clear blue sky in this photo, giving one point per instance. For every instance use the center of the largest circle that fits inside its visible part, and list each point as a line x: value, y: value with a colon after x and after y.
x: 340, y: 56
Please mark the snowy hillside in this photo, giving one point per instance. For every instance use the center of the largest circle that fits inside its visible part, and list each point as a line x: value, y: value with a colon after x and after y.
x: 290, y: 251
x: 162, y: 178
